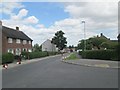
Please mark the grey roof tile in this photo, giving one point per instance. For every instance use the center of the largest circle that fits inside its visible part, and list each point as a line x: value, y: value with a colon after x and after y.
x: 12, y: 33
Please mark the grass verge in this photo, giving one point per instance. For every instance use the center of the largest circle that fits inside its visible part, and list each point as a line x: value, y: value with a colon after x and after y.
x: 72, y: 57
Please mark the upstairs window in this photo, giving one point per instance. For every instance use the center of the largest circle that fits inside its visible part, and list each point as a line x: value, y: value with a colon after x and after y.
x: 18, y: 41
x: 10, y: 40
x: 24, y: 41
x: 29, y: 42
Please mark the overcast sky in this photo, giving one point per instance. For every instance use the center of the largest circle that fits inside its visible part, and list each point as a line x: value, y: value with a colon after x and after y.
x: 40, y: 20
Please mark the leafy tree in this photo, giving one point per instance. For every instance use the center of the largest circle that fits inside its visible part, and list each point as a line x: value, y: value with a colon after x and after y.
x: 71, y: 46
x: 81, y: 45
x: 105, y: 45
x: 37, y: 48
x: 97, y: 41
x: 59, y: 40
x: 113, y: 45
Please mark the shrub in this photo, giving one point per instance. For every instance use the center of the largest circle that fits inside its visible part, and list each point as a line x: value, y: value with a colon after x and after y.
x: 16, y: 57
x: 80, y: 52
x: 7, y: 58
x: 33, y: 55
x: 100, y: 54
x: 25, y: 55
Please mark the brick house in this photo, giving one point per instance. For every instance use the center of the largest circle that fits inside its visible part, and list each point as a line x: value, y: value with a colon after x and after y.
x: 118, y: 38
x: 15, y: 41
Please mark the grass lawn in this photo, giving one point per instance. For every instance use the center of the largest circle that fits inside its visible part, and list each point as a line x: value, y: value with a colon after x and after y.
x: 72, y: 57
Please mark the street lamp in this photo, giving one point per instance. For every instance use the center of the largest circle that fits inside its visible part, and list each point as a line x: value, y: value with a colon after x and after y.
x: 84, y: 36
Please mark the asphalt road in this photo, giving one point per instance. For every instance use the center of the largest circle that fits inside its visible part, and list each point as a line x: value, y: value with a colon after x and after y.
x: 52, y: 73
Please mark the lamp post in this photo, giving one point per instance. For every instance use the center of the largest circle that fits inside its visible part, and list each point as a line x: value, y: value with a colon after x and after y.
x: 84, y: 36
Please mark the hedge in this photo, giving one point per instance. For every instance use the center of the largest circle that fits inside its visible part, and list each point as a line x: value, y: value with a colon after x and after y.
x: 7, y: 58
x: 101, y: 54
x: 33, y: 55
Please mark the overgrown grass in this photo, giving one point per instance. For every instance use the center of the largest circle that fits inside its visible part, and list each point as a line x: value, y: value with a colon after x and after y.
x: 72, y: 57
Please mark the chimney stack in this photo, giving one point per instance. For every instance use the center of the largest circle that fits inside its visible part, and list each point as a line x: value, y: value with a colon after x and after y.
x: 101, y: 34
x: 17, y: 28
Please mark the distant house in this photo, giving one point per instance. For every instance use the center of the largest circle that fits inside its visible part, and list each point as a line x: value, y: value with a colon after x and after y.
x: 48, y: 46
x: 66, y: 49
x: 15, y: 41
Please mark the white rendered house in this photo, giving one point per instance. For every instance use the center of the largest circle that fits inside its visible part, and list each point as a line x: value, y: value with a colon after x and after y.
x: 48, y: 46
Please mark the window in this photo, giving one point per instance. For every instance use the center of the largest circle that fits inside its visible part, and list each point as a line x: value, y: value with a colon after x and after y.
x: 10, y: 51
x: 24, y: 49
x: 24, y: 41
x: 17, y: 40
x: 10, y: 40
x: 18, y: 51
x: 29, y: 50
x: 29, y: 42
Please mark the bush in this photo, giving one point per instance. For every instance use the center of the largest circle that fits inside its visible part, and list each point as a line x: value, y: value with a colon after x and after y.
x: 16, y: 57
x: 25, y: 55
x: 7, y: 58
x: 100, y: 54
x: 80, y: 52
x: 33, y: 55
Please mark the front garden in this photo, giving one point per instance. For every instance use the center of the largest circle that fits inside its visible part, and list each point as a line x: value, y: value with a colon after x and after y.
x: 9, y: 58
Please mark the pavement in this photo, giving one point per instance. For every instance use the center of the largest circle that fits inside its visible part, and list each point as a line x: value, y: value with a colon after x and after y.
x: 81, y: 62
x: 93, y: 63
x: 14, y: 64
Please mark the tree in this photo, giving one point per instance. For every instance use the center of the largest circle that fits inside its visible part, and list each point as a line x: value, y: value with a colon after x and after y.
x: 97, y: 41
x: 59, y: 40
x: 81, y: 45
x: 37, y: 48
x: 71, y: 46
x: 105, y: 45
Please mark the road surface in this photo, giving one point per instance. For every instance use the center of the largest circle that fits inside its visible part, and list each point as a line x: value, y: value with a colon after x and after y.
x: 52, y: 73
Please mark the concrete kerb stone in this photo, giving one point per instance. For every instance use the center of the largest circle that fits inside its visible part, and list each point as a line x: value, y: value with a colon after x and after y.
x: 89, y: 65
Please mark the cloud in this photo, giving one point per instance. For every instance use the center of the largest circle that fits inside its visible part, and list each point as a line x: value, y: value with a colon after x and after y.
x: 8, y: 7
x: 40, y: 26
x: 31, y: 20
x: 22, y: 13
x: 99, y: 17
x: 67, y: 22
x: 94, y: 10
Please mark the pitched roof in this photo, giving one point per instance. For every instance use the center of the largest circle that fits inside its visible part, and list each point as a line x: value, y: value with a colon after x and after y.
x: 118, y: 36
x: 12, y: 33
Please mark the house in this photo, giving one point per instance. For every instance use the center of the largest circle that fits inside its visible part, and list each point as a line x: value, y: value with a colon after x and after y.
x: 15, y: 41
x: 48, y: 46
x: 118, y: 38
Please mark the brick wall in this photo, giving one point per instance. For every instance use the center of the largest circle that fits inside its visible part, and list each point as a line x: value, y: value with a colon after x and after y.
x: 13, y: 45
